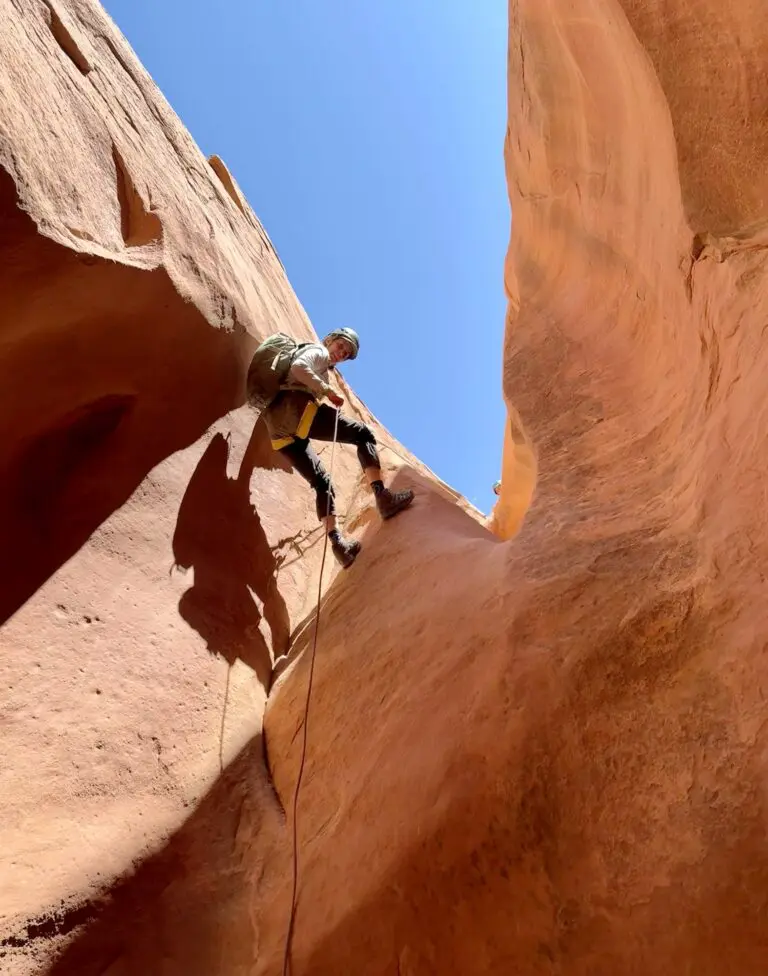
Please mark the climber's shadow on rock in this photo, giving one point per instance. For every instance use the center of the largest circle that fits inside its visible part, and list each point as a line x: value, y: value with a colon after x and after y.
x: 219, y: 534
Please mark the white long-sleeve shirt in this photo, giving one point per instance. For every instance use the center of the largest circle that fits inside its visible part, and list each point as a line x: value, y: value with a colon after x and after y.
x: 310, y: 369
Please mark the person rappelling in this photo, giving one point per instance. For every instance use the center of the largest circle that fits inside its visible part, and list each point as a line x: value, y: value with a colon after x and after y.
x: 286, y: 381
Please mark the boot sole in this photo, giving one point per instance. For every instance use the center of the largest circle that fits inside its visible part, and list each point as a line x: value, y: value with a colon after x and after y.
x: 396, y: 511
x: 351, y: 558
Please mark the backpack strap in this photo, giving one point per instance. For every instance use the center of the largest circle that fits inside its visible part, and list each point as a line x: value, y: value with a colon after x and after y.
x: 293, y: 386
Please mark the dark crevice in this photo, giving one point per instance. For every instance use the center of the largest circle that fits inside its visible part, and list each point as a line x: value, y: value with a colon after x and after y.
x: 66, y: 41
x: 58, y: 923
x: 52, y: 460
x: 698, y: 244
x: 138, y: 225
x: 270, y: 777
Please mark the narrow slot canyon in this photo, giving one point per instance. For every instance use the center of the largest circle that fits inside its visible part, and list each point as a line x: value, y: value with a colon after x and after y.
x: 537, y: 741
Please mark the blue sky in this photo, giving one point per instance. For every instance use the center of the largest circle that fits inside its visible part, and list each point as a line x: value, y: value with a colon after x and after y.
x: 368, y: 137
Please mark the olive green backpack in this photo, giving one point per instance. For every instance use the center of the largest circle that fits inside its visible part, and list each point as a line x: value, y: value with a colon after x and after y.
x: 269, y: 368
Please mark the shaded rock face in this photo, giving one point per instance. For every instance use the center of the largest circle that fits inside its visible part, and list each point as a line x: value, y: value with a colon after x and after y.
x: 539, y: 756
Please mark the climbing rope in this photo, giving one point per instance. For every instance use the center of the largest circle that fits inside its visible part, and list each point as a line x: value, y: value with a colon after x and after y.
x: 292, y: 917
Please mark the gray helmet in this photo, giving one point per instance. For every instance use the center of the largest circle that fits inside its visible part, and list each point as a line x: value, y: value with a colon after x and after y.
x: 350, y: 335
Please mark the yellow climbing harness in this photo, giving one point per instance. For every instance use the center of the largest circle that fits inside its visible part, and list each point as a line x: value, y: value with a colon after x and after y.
x: 302, y: 430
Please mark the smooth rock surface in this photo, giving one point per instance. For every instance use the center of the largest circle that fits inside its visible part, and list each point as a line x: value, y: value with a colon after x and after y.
x: 156, y: 555
x: 544, y: 756
x: 550, y: 756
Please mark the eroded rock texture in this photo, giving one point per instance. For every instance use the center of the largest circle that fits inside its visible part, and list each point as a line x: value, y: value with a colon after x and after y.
x: 566, y: 772
x: 155, y: 555
x: 543, y: 756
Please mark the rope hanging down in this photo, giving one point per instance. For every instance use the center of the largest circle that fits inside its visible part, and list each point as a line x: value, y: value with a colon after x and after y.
x: 292, y: 917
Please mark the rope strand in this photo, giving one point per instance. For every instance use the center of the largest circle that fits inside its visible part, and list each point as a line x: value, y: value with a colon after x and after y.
x: 292, y: 917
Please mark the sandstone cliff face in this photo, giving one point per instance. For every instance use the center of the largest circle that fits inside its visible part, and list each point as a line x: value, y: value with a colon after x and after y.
x: 155, y: 556
x: 543, y: 756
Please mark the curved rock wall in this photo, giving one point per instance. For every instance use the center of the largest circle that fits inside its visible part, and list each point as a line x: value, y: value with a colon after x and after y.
x: 539, y: 756
x: 156, y: 556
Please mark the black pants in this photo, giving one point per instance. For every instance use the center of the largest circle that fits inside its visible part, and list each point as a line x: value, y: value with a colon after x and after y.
x: 310, y: 467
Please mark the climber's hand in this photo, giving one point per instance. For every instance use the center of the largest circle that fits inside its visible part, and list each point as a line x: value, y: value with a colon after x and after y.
x: 336, y: 400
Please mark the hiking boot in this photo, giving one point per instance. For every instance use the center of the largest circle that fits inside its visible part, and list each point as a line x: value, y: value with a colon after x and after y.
x: 389, y: 503
x: 345, y: 550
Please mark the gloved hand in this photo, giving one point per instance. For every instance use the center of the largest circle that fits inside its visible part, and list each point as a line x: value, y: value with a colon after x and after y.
x: 335, y: 399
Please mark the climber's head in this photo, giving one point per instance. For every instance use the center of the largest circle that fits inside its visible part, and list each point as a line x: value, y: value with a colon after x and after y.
x: 342, y: 344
